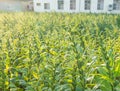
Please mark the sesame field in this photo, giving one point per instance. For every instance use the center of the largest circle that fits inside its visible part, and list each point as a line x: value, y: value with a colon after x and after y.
x: 59, y: 52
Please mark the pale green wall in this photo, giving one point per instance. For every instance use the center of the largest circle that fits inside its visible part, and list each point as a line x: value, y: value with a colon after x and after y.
x: 13, y: 5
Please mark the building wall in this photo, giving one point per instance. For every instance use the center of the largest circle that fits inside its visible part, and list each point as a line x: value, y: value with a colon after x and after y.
x: 79, y: 6
x: 27, y: 5
x: 10, y: 5
x: 15, y: 5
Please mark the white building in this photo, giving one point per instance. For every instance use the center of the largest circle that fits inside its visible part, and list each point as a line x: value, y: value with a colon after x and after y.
x: 94, y: 6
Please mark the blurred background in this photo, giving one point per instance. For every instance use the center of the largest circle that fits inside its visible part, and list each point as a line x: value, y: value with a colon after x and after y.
x: 16, y: 5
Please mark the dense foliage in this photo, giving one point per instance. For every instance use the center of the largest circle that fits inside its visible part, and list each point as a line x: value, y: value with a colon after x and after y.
x: 59, y: 52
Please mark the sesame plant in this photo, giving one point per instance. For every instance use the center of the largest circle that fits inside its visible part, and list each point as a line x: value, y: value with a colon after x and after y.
x: 59, y: 52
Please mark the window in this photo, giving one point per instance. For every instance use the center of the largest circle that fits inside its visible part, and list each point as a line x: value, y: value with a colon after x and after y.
x: 100, y: 5
x: 60, y: 4
x: 87, y: 4
x: 38, y: 4
x: 46, y: 5
x: 72, y: 4
x: 116, y: 5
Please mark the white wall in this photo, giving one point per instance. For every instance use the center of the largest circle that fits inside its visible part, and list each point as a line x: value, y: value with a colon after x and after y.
x: 79, y: 6
x: 54, y: 6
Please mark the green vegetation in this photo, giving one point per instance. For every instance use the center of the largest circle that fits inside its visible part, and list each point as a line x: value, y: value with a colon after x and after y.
x: 59, y: 52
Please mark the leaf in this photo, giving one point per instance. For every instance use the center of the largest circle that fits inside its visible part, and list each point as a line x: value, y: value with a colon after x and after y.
x: 35, y: 75
x: 79, y: 89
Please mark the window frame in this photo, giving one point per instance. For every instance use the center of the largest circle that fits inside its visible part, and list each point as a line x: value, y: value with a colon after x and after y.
x: 47, y: 6
x: 100, y: 5
x: 87, y: 5
x: 72, y: 4
x: 38, y: 4
x: 60, y: 4
x: 116, y: 4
